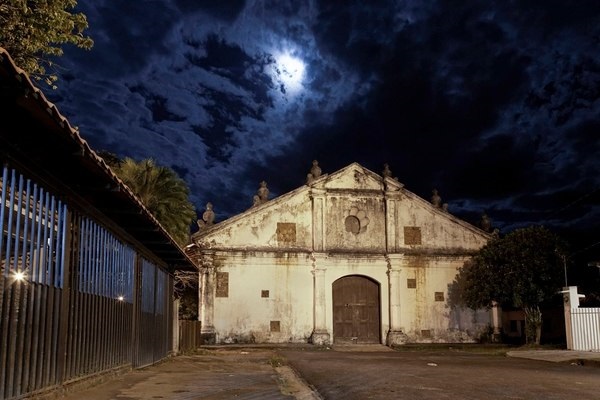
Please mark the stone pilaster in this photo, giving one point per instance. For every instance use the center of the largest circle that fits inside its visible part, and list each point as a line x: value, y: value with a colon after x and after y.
x: 320, y: 335
x: 318, y: 218
x: 207, y: 300
x: 392, y: 200
x: 395, y: 335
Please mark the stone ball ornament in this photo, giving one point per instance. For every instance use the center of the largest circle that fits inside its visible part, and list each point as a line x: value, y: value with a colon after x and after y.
x: 356, y: 222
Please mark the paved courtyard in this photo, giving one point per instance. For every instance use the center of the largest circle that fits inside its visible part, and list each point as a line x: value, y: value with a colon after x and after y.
x: 370, y: 372
x: 443, y: 374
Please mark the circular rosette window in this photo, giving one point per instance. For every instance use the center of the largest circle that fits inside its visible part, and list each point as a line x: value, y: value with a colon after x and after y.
x: 356, y: 222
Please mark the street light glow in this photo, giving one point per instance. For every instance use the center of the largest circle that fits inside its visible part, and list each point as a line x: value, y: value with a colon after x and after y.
x: 19, y: 276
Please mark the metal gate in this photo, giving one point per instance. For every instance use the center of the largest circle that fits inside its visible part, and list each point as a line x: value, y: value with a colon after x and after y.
x: 356, y: 310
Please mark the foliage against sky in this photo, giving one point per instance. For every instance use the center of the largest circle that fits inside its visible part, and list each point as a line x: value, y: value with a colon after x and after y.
x: 163, y: 192
x: 35, y: 31
x: 523, y: 268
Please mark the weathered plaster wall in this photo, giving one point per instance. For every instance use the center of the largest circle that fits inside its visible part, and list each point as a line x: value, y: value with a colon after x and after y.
x: 259, y: 228
x: 244, y: 316
x: 367, y: 210
x: 353, y: 177
x: 427, y: 318
x: 439, y: 230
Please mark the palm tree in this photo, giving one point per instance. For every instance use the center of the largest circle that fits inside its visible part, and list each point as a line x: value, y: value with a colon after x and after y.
x: 163, y: 193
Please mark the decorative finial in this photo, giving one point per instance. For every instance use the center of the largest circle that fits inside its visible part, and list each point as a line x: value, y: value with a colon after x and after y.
x: 208, y: 217
x: 315, y: 170
x: 436, y: 200
x: 485, y: 223
x: 387, y: 172
x: 263, y: 192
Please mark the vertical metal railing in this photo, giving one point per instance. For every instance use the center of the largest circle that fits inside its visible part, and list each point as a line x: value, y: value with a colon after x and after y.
x: 153, y: 317
x: 102, y: 295
x: 74, y: 298
x: 32, y: 250
x: 585, y: 326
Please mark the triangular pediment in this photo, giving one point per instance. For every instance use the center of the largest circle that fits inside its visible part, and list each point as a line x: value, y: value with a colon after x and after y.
x: 316, y: 216
x: 353, y: 177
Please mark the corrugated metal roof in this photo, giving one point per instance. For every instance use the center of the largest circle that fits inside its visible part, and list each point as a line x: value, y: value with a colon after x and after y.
x: 34, y: 132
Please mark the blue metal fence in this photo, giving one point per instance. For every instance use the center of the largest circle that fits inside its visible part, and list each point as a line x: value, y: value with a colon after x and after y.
x: 75, y: 298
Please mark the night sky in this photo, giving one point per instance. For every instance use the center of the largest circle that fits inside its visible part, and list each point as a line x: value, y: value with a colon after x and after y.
x: 494, y: 103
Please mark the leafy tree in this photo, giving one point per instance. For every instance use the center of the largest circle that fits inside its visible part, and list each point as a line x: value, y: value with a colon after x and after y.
x: 166, y: 196
x: 186, y: 290
x: 163, y: 192
x: 33, y: 31
x: 523, y: 269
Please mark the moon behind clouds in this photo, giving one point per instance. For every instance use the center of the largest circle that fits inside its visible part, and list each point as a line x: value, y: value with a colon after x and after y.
x: 289, y: 72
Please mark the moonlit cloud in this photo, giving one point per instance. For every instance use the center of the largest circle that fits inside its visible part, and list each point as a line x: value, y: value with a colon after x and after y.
x: 496, y: 105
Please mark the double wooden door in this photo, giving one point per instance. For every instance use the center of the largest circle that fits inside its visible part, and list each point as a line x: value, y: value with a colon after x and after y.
x: 356, y: 315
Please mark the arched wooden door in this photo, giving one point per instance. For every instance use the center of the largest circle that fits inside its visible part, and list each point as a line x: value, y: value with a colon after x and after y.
x: 356, y: 310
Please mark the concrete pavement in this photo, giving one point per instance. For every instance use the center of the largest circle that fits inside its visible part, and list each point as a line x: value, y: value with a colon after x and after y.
x: 219, y: 373
x: 559, y: 356
x: 263, y: 371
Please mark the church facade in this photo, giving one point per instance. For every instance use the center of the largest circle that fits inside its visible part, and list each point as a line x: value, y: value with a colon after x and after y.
x: 350, y: 257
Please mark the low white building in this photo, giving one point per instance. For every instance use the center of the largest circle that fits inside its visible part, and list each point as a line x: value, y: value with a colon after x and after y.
x: 350, y: 257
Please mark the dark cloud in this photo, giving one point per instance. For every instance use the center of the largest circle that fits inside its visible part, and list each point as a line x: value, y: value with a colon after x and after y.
x: 500, y: 168
x: 232, y: 62
x: 225, y: 10
x: 493, y: 103
x: 157, y: 105
x: 126, y: 35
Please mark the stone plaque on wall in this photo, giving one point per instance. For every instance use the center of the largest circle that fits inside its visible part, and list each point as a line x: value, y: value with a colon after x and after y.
x: 412, y: 235
x: 286, y: 232
x: 222, y: 287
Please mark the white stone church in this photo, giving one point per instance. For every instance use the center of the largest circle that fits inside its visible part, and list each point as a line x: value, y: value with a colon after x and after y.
x: 350, y: 257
